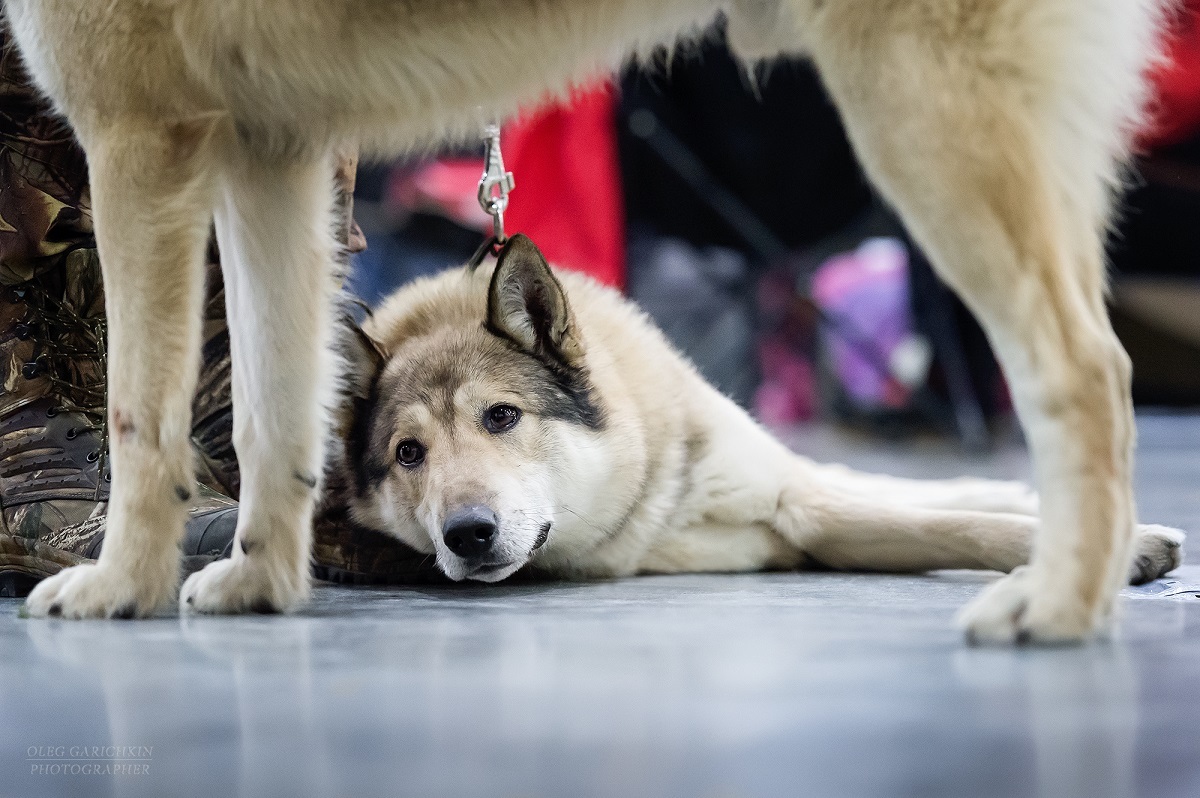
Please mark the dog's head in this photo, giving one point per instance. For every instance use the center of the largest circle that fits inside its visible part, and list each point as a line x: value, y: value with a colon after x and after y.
x: 457, y: 442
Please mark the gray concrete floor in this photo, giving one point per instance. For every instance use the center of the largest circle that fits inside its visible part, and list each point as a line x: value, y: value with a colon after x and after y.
x: 722, y: 686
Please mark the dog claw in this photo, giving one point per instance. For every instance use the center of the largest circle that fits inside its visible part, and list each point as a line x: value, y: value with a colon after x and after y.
x: 257, y: 585
x: 1014, y: 610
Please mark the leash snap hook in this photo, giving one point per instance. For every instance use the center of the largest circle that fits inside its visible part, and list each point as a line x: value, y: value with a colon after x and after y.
x: 495, y: 183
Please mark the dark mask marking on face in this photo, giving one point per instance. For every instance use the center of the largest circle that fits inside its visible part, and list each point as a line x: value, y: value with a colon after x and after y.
x: 570, y: 396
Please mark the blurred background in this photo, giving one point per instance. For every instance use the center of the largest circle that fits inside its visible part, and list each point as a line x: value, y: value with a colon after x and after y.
x: 732, y: 209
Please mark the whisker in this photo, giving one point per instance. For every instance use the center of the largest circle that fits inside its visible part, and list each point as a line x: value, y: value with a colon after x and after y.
x: 561, y: 508
x: 584, y: 519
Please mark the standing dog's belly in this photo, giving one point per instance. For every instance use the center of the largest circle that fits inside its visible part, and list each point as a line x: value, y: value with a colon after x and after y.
x: 393, y: 75
x: 390, y: 75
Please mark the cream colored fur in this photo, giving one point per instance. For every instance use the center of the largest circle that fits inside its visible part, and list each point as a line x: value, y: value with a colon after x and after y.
x: 677, y: 478
x: 996, y: 128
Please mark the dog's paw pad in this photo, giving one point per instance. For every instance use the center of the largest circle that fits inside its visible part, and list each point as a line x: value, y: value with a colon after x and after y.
x: 247, y: 584
x: 94, y: 591
x: 1159, y: 551
x: 1015, y: 610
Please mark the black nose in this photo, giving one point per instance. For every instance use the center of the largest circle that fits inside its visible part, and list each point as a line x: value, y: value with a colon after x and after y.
x: 469, y: 531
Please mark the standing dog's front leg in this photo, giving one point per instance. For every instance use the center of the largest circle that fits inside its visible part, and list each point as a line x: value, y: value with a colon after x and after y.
x: 274, y: 228
x: 995, y: 137
x: 152, y: 201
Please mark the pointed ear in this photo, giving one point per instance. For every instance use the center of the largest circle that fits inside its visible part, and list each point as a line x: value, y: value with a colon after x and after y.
x: 363, y: 357
x: 363, y: 360
x: 527, y: 305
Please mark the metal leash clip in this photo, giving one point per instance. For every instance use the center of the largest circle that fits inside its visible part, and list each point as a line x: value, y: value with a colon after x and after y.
x: 495, y: 183
x: 494, y: 186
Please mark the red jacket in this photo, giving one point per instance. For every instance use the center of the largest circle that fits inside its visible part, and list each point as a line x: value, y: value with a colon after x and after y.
x: 1175, y: 83
x: 567, y: 198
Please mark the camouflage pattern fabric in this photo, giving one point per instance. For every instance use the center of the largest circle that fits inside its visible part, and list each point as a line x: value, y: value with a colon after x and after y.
x: 44, y: 206
x: 48, y: 262
x: 212, y: 408
x: 52, y: 328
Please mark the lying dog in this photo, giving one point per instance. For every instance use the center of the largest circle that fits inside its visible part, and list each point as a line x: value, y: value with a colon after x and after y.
x: 516, y: 416
x: 996, y: 128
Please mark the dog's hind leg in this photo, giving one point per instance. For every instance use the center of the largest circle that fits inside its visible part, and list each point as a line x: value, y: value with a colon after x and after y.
x: 274, y: 228
x: 994, y: 128
x: 855, y: 530
x: 834, y: 517
x: 959, y: 493
x: 152, y: 199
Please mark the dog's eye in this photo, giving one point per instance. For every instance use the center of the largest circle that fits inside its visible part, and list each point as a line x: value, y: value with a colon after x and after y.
x: 410, y: 453
x: 501, y: 418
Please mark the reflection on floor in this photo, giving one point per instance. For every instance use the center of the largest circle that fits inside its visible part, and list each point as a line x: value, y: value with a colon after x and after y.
x: 748, y: 685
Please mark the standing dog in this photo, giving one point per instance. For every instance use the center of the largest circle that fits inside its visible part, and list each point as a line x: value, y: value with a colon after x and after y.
x: 996, y: 127
x: 516, y: 416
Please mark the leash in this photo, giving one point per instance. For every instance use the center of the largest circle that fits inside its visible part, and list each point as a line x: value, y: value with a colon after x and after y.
x: 494, y: 186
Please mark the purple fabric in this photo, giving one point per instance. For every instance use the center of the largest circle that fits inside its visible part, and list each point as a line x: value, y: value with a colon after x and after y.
x: 865, y: 294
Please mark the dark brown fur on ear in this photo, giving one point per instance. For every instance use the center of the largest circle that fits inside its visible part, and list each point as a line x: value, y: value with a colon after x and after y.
x: 527, y: 305
x: 363, y: 360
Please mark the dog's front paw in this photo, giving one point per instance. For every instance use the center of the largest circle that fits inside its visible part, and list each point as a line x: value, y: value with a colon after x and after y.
x: 99, y: 591
x: 1018, y: 609
x: 1159, y: 551
x: 247, y: 584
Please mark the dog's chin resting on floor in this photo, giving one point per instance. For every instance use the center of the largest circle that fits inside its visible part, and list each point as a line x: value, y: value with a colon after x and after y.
x: 518, y: 416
